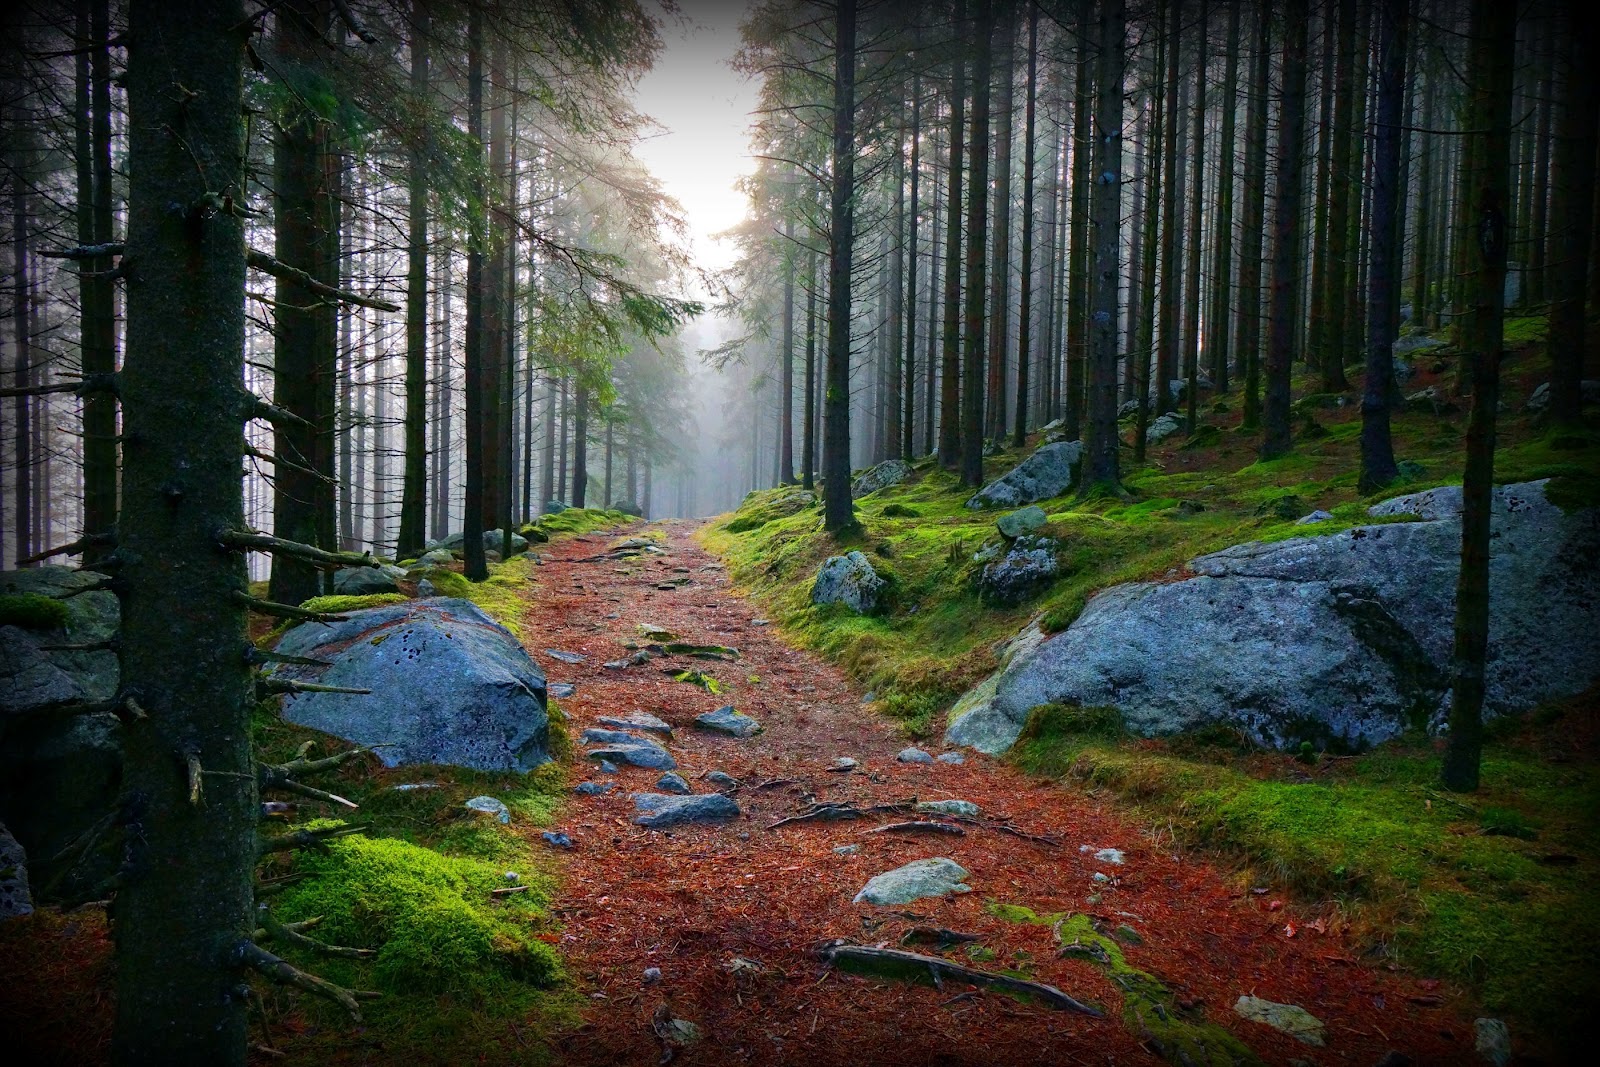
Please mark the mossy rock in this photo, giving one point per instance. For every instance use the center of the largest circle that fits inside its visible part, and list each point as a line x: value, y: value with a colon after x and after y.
x: 431, y: 917
x: 337, y: 604
x: 900, y: 511
x: 32, y: 611
x: 1204, y: 437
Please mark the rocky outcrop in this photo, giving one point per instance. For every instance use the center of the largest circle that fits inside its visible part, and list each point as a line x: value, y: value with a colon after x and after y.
x: 493, y: 541
x: 889, y: 472
x: 851, y: 581
x: 1342, y: 639
x: 1028, y: 566
x: 449, y: 685
x: 365, y: 581
x: 1048, y: 472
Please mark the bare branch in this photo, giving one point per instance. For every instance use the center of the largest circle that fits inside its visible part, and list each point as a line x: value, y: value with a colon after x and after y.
x: 275, y: 686
x: 291, y: 934
x: 279, y: 269
x: 252, y: 540
x: 71, y: 549
x: 253, y: 955
x: 284, y: 611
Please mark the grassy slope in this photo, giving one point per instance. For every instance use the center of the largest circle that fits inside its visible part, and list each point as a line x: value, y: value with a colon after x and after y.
x: 464, y: 975
x: 1412, y: 869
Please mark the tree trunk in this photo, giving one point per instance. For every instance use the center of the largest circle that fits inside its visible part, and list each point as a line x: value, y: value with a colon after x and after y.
x: 96, y: 291
x: 950, y: 371
x: 1100, y: 466
x: 1077, y: 292
x: 1317, y: 317
x: 1342, y: 185
x: 1000, y: 255
x: 1377, y: 449
x: 305, y: 348
x: 1151, y: 223
x: 908, y: 390
x: 894, y: 304
x: 580, y: 447
x: 1025, y: 305
x: 1167, y: 356
x: 22, y: 456
x: 475, y: 566
x: 786, y: 360
x: 413, y: 491
x: 1286, y: 233
x: 1197, y: 207
x: 808, y: 448
x: 1487, y: 184
x: 184, y: 908
x: 1251, y: 223
x: 1220, y: 340
x: 977, y: 229
x: 838, y: 512
x: 1570, y: 215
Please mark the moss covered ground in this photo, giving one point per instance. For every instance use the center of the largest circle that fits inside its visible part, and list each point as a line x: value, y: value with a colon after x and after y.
x: 1493, y: 891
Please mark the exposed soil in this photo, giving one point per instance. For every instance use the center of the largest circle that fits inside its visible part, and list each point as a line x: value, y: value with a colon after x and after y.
x: 692, y: 900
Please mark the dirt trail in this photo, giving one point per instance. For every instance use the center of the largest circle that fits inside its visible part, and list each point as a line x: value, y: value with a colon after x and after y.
x: 691, y: 900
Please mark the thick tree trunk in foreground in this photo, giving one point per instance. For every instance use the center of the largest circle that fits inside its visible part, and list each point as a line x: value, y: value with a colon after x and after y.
x: 838, y: 513
x: 1487, y: 184
x: 1100, y: 470
x: 184, y: 908
x: 1377, y: 448
x: 1286, y: 265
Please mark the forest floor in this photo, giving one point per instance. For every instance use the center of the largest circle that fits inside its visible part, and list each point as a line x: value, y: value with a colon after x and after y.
x: 733, y: 915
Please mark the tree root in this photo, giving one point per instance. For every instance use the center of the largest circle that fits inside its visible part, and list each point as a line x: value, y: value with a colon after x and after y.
x: 917, y: 827
x: 881, y: 960
x: 294, y: 934
x: 254, y: 956
x: 836, y: 812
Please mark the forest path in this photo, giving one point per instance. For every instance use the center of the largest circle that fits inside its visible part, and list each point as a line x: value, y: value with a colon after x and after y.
x: 693, y: 899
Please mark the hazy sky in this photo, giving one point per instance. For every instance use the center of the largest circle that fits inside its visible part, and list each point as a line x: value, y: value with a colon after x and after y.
x: 704, y: 109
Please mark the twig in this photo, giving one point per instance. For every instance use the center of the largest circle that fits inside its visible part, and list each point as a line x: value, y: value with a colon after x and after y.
x: 275, y: 686
x: 509, y: 890
x: 316, y: 840
x: 279, y: 269
x: 253, y: 540
x: 284, y: 611
x: 290, y: 933
x: 72, y: 548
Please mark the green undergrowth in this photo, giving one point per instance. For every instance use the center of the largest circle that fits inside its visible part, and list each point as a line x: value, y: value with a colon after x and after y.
x: 581, y: 521
x: 500, y: 595
x: 1181, y: 1034
x: 1493, y: 891
x: 465, y: 975
x: 337, y: 604
x: 32, y: 611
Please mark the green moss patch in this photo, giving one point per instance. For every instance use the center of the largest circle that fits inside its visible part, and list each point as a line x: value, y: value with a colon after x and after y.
x: 32, y: 611
x: 339, y: 605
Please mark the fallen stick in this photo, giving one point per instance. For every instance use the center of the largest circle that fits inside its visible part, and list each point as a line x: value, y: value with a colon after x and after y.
x: 832, y: 812
x: 917, y: 827
x: 939, y: 969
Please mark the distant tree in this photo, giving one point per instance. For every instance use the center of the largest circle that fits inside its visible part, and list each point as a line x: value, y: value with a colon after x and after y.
x: 950, y: 360
x: 1486, y: 182
x: 1251, y: 219
x: 1101, y: 442
x: 972, y: 357
x: 1025, y: 309
x: 1570, y: 213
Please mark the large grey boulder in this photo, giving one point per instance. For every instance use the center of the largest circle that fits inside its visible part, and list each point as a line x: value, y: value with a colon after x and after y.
x: 851, y: 581
x: 91, y: 617
x: 1342, y: 639
x: 1162, y: 428
x: 1048, y: 472
x: 1539, y: 400
x: 1017, y: 523
x: 449, y: 685
x: 29, y: 679
x: 889, y: 472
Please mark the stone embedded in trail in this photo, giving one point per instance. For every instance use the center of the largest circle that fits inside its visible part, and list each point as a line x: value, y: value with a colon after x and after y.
x: 914, y: 755
x: 955, y: 758
x: 637, y: 720
x: 848, y: 580
x: 1315, y: 517
x: 1290, y: 1019
x: 844, y: 764
x: 489, y: 806
x: 938, y: 877
x: 1048, y: 472
x: 639, y: 753
x: 1111, y: 855
x: 607, y: 767
x: 721, y: 778
x: 949, y: 807
x: 449, y: 685
x: 565, y: 657
x: 556, y: 839
x: 596, y: 736
x: 562, y: 690
x: 846, y: 850
x: 594, y: 789
x: 725, y: 720
x: 672, y: 782
x: 1334, y: 639
x: 659, y: 810
x: 1017, y: 523
x: 889, y: 472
